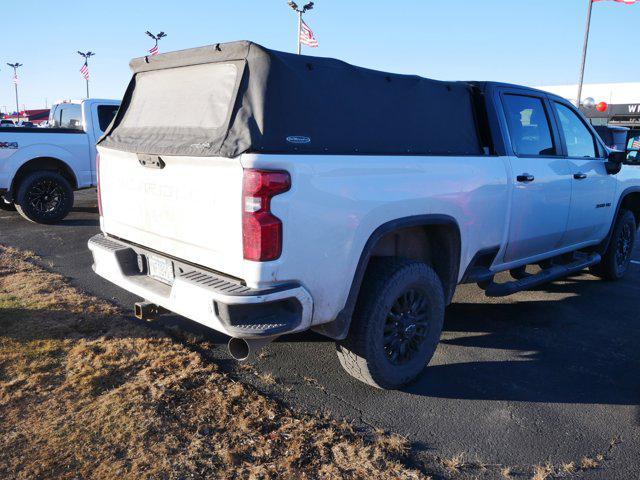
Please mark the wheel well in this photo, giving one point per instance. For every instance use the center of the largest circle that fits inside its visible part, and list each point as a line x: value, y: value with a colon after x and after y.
x: 433, y: 239
x: 632, y: 202
x: 435, y: 245
x: 44, y: 163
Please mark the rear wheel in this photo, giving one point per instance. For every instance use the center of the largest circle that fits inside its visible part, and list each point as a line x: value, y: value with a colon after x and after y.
x: 6, y: 206
x: 615, y: 261
x: 396, y: 324
x: 44, y: 197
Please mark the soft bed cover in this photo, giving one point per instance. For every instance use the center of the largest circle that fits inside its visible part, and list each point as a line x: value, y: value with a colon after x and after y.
x: 232, y: 98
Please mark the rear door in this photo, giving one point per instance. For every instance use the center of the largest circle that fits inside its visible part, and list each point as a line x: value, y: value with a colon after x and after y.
x: 541, y: 194
x: 593, y: 189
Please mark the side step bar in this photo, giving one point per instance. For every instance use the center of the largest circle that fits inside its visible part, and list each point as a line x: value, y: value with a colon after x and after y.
x: 547, y: 275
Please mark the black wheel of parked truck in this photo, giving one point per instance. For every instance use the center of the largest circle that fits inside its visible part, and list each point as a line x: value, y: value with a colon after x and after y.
x: 396, y: 324
x: 6, y: 206
x: 44, y: 197
x: 615, y: 261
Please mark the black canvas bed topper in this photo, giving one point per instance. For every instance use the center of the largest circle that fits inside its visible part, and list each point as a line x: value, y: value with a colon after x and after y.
x: 228, y: 99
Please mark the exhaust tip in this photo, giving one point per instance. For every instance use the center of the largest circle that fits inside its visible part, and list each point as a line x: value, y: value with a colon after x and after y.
x: 137, y: 311
x: 239, y: 349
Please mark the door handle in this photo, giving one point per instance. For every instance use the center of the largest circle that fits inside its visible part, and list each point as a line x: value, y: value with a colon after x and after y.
x: 579, y: 176
x: 525, y: 178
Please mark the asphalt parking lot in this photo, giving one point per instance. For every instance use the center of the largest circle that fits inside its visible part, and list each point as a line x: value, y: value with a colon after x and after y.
x: 548, y: 375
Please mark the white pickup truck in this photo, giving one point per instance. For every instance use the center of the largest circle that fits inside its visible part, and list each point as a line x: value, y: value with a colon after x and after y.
x: 304, y: 193
x: 41, y: 167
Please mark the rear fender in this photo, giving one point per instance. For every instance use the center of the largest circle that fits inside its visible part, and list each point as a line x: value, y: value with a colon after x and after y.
x: 339, y: 328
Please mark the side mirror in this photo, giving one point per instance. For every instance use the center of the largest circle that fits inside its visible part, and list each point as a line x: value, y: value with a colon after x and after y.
x: 617, y: 156
x: 614, y: 161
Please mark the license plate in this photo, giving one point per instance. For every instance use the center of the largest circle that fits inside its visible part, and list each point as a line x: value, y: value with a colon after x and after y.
x: 160, y: 269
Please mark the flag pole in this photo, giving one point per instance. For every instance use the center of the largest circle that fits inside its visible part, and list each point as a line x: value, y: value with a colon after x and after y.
x: 87, y: 78
x: 584, y: 53
x: 299, y: 27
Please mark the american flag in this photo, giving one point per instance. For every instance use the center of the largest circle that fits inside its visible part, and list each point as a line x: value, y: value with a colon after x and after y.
x: 15, y: 78
x: 627, y: 2
x: 306, y: 35
x: 85, y: 71
x: 154, y: 50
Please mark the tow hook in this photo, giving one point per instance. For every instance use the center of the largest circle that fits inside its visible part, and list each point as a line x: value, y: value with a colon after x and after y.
x: 147, y: 311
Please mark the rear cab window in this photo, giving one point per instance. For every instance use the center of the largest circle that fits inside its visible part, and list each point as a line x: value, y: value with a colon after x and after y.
x: 66, y: 115
x: 71, y: 117
x: 528, y: 124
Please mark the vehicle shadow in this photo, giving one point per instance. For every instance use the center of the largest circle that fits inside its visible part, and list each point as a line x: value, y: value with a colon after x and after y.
x: 577, y: 349
x: 79, y: 222
x: 85, y: 209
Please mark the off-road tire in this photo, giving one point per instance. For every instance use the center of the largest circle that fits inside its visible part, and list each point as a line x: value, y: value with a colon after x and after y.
x: 362, y: 354
x: 615, y: 261
x: 6, y: 206
x: 44, y: 181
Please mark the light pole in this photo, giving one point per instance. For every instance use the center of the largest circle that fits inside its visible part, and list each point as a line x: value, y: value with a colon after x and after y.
x: 85, y: 68
x: 154, y: 50
x: 305, y: 9
x: 15, y: 67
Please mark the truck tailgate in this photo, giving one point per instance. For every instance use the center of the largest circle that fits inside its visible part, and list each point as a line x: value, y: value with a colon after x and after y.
x: 189, y: 209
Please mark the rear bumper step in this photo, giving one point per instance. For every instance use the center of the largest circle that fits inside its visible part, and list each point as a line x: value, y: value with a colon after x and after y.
x: 208, y: 298
x: 547, y: 275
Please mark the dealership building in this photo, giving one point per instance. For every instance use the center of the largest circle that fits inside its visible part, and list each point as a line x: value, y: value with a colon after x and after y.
x: 619, y: 102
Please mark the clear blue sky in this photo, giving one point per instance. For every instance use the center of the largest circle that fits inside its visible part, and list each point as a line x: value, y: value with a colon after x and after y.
x: 531, y: 42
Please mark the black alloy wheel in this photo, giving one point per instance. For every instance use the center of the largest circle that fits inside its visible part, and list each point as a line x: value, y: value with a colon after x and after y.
x: 617, y: 258
x: 624, y: 246
x: 396, y: 324
x: 44, y: 197
x: 406, y: 326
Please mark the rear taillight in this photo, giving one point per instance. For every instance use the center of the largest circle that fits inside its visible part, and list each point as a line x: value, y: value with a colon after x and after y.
x: 98, y: 184
x: 261, y: 230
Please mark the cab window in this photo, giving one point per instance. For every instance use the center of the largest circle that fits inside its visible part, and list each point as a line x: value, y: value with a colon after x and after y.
x: 71, y: 116
x: 579, y: 140
x: 528, y: 126
x: 105, y: 115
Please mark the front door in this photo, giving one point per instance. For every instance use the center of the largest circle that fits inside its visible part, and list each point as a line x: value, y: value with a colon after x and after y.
x: 541, y: 194
x: 593, y: 188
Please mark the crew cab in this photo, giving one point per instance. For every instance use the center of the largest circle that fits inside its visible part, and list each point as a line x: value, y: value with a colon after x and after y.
x: 41, y: 167
x: 305, y: 193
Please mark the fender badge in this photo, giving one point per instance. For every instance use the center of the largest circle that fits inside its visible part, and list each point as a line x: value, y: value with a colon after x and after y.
x: 12, y: 145
x: 298, y: 139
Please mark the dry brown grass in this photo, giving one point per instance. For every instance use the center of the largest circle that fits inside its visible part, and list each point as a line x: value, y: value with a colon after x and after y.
x: 397, y: 444
x: 85, y: 393
x: 454, y: 464
x: 542, y: 472
x: 267, y: 378
x: 505, y: 472
x: 568, y: 468
x: 588, y: 463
